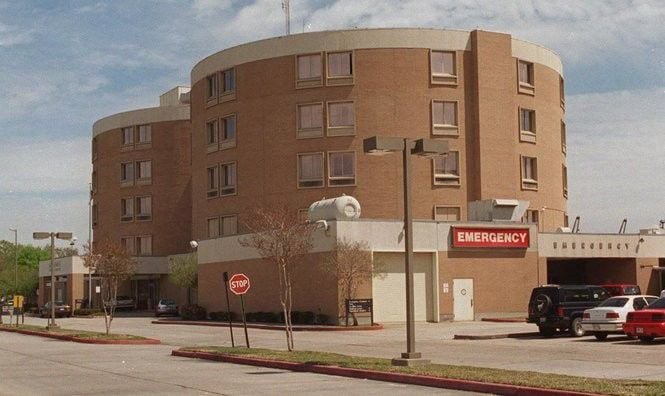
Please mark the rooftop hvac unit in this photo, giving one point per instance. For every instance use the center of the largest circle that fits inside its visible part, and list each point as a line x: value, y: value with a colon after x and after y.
x: 497, y: 210
x: 341, y: 208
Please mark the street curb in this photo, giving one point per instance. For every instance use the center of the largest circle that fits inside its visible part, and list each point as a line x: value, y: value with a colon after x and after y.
x: 411, y: 379
x: 64, y: 337
x: 504, y: 320
x: 494, y: 336
x: 377, y: 326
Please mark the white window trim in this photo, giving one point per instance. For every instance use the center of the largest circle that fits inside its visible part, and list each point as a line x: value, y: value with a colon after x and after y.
x: 340, y: 80
x: 138, y: 134
x: 208, y: 227
x: 528, y: 184
x: 346, y: 130
x: 447, y: 179
x: 127, y: 218
x: 525, y: 87
x: 235, y: 186
x: 323, y: 175
x: 525, y: 135
x: 137, y: 167
x: 443, y: 78
x: 226, y: 143
x: 459, y: 210
x: 311, y: 133
x: 355, y: 169
x: 313, y: 81
x: 225, y: 96
x: 212, y: 147
x: 137, y: 245
x: 221, y: 224
x: 215, y: 190
x: 444, y: 129
x: 211, y: 100
x: 142, y: 217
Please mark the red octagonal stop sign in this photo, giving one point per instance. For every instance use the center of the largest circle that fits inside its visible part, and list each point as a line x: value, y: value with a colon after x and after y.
x: 239, y: 284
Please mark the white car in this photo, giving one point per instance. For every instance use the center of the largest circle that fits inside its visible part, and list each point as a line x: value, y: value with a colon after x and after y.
x: 610, y: 315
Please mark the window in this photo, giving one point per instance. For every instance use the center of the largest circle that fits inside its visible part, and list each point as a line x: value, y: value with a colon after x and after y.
x: 228, y: 180
x: 564, y: 176
x: 341, y: 119
x: 525, y: 79
x: 228, y: 81
x: 211, y: 87
x: 530, y: 216
x: 310, y: 170
x: 447, y: 213
x: 562, y: 95
x: 143, y: 208
x: 310, y: 120
x: 144, y: 245
x: 126, y: 209
x: 228, y: 133
x: 127, y: 136
x: 308, y: 70
x: 527, y: 125
x: 127, y: 173
x: 95, y: 214
x: 145, y: 134
x: 213, y: 181
x: 211, y: 134
x: 565, y: 220
x: 444, y: 118
x: 443, y: 67
x: 563, y: 137
x: 446, y: 169
x: 340, y: 68
x: 529, y: 173
x: 213, y: 227
x: 342, y: 168
x: 144, y: 170
x: 229, y: 225
x: 128, y: 243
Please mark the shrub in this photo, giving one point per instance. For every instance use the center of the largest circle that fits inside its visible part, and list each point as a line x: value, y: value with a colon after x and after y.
x: 223, y: 316
x: 193, y: 312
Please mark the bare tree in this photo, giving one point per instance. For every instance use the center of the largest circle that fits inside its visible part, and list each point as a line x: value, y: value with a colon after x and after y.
x: 113, y: 264
x: 184, y: 272
x: 280, y: 237
x: 351, y: 263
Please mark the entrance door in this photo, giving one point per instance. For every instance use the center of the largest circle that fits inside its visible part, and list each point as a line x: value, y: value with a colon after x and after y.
x: 463, y: 299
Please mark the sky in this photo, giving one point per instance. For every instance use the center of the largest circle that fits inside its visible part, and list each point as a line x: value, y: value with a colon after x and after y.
x: 65, y: 64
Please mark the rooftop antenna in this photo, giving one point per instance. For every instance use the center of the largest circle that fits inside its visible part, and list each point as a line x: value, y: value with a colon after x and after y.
x: 576, y: 225
x: 662, y: 224
x: 622, y: 228
x: 287, y: 15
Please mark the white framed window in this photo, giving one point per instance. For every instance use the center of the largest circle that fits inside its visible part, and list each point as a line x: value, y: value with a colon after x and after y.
x: 339, y: 68
x: 144, y: 170
x: 127, y: 173
x: 525, y: 77
x: 444, y: 118
x: 228, y: 132
x: 530, y: 216
x: 212, y: 133
x: 527, y: 125
x: 443, y: 67
x: 213, y: 227
x: 144, y: 208
x: 228, y: 81
x: 228, y: 179
x: 145, y: 134
x: 341, y: 119
x: 564, y: 177
x: 310, y: 120
x: 529, y: 173
x: 126, y: 209
x: 144, y: 245
x: 128, y: 136
x: 308, y: 70
x: 563, y: 137
x: 446, y: 169
x: 341, y: 168
x: 447, y: 213
x: 310, y: 170
x: 229, y: 225
x: 212, y: 181
x: 129, y: 245
x: 211, y: 87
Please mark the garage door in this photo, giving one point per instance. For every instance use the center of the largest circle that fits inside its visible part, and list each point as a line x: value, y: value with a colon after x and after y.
x: 388, y: 287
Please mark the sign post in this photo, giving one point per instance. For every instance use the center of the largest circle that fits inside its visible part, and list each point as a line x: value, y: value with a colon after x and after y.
x: 18, y: 307
x: 239, y: 284
x: 228, y: 306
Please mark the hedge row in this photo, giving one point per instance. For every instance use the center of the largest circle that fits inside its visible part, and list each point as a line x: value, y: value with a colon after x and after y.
x: 196, y: 312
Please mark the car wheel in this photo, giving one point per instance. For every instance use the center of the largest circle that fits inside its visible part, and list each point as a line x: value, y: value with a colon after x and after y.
x: 576, y: 328
x: 645, y: 338
x: 546, y: 331
x: 601, y: 336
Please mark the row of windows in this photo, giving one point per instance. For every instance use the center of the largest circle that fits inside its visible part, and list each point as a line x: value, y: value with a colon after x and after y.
x: 529, y: 174
x: 139, y: 172
x: 136, y: 135
x: 136, y: 209
x: 137, y: 245
x: 222, y: 226
x: 527, y: 124
x: 221, y: 133
x: 221, y: 180
x: 220, y: 86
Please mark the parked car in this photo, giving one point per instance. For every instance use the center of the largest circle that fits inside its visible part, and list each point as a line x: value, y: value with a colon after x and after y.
x: 122, y: 302
x: 622, y: 290
x: 610, y: 315
x: 166, y: 306
x: 61, y: 309
x: 648, y: 323
x: 560, y: 307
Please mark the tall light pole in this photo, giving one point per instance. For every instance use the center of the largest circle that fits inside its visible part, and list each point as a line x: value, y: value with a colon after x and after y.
x: 90, y: 201
x: 52, y: 235
x: 15, y: 231
x: 381, y: 145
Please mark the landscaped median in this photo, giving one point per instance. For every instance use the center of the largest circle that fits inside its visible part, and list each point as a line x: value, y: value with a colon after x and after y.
x: 268, y: 326
x: 86, y: 337
x: 504, y: 382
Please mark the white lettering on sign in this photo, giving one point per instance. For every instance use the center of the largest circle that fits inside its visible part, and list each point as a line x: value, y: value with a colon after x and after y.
x: 491, y: 237
x: 239, y: 283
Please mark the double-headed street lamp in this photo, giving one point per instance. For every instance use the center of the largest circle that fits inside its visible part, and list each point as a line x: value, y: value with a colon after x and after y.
x: 52, y: 235
x: 381, y: 145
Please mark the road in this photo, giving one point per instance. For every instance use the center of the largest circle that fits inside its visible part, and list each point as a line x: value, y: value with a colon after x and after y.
x: 39, y: 366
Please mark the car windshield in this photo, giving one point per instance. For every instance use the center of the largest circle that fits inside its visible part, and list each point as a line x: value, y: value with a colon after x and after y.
x: 631, y: 290
x: 660, y: 303
x: 614, y: 302
x: 167, y: 302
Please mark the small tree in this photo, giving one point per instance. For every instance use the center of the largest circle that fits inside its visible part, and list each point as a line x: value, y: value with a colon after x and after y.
x: 184, y: 272
x: 113, y: 264
x: 351, y: 264
x: 279, y: 236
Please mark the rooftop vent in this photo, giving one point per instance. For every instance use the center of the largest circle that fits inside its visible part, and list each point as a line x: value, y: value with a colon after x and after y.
x: 497, y: 210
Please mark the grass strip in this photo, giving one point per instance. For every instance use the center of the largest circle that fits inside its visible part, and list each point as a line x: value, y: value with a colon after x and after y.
x: 91, y: 335
x: 480, y: 374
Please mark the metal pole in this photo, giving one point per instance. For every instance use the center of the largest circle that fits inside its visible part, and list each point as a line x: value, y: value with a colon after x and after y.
x: 90, y: 249
x: 52, y: 319
x: 228, y: 307
x: 244, y: 321
x: 408, y: 257
x: 15, y: 230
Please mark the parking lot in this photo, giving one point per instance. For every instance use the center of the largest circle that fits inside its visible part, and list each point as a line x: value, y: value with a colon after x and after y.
x: 618, y: 357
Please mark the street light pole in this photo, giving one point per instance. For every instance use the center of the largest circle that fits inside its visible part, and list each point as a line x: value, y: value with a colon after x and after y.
x: 15, y: 230
x: 90, y: 249
x: 52, y: 235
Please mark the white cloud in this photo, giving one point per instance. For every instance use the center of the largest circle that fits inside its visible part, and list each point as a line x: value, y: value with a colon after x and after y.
x: 11, y: 35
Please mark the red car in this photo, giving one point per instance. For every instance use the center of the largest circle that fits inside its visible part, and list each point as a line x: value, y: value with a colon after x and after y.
x: 648, y: 323
x: 622, y: 290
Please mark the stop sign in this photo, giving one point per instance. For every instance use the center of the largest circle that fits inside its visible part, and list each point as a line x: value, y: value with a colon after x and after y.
x: 239, y: 284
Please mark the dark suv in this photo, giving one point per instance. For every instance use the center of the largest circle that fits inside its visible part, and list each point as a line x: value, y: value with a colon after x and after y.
x: 553, y: 307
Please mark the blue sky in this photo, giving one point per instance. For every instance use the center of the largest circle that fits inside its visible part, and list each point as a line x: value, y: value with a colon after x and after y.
x: 65, y: 64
